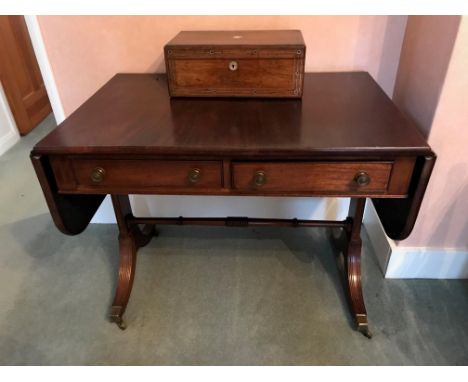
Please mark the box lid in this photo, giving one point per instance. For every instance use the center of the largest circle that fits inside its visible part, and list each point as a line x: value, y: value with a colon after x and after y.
x: 237, y: 38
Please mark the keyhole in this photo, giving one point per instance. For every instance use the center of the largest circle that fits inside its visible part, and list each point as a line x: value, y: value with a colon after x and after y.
x: 233, y: 65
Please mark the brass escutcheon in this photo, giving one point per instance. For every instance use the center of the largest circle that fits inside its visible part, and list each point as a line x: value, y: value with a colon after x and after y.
x: 362, y: 178
x: 97, y: 175
x: 233, y: 65
x: 259, y: 178
x: 194, y: 175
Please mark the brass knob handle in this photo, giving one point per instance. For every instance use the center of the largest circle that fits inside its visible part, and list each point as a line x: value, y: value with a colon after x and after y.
x: 362, y: 178
x: 233, y: 65
x: 259, y: 178
x: 97, y: 175
x: 194, y: 175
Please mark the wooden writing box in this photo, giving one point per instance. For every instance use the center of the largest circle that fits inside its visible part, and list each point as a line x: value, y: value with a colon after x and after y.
x: 236, y: 64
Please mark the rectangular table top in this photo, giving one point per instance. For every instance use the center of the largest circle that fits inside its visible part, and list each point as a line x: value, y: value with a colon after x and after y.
x: 340, y: 114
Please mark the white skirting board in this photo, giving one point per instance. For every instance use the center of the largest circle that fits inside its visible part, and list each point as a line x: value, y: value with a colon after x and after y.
x: 253, y: 206
x: 8, y: 132
x: 427, y: 263
x: 7, y: 141
x: 395, y: 261
x: 399, y: 262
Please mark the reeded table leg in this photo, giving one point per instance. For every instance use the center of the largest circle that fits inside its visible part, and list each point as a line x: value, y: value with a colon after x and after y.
x: 353, y: 264
x: 130, y: 239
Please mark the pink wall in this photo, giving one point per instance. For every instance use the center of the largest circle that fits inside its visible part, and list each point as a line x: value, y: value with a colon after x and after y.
x: 85, y: 51
x: 424, y: 61
x: 432, y: 87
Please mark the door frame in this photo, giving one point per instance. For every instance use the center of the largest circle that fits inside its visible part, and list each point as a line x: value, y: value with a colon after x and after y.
x: 44, y: 66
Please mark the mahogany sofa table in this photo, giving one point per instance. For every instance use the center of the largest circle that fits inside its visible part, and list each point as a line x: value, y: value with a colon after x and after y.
x: 345, y: 138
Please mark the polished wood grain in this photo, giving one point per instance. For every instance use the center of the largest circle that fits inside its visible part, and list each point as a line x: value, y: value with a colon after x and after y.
x: 399, y: 217
x: 252, y: 78
x: 238, y: 221
x: 20, y: 75
x: 146, y: 175
x: 264, y: 38
x: 127, y: 175
x: 341, y: 115
x: 235, y: 64
x: 71, y: 213
x: 131, y: 237
x: 353, y: 264
x: 325, y: 177
x: 402, y: 171
x: 131, y: 137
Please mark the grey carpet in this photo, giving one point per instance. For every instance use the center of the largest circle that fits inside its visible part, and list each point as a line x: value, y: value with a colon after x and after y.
x: 204, y: 296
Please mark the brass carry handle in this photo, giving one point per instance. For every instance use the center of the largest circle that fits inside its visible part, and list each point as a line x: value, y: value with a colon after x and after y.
x: 97, y: 175
x: 362, y: 178
x: 194, y: 175
x: 259, y: 178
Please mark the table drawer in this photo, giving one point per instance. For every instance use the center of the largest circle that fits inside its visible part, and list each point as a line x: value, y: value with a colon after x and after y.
x: 320, y: 177
x: 135, y: 174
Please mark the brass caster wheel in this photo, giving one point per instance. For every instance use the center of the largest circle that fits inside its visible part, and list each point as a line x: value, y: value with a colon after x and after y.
x: 362, y: 325
x: 364, y: 329
x: 121, y: 324
x: 116, y: 316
